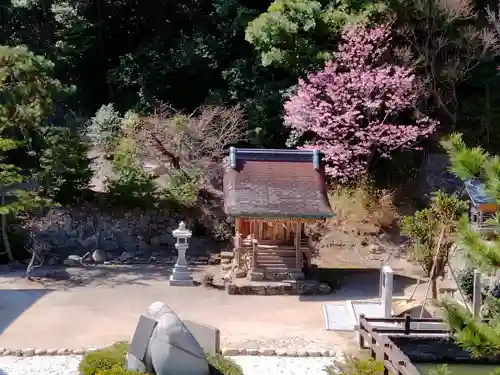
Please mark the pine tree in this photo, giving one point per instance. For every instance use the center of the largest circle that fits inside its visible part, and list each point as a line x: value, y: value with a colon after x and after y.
x: 27, y: 95
x: 479, y: 337
x: 15, y: 194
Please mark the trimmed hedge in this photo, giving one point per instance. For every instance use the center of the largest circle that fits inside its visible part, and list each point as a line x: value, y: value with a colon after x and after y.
x: 111, y: 361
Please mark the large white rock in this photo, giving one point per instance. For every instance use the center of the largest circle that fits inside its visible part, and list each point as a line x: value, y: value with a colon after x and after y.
x: 172, y: 349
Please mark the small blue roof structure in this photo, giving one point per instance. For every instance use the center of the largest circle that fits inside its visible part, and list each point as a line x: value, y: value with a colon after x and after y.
x: 477, y: 194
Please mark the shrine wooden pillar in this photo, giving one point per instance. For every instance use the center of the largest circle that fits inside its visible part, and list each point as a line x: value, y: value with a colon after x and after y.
x: 298, y: 255
x: 254, y: 245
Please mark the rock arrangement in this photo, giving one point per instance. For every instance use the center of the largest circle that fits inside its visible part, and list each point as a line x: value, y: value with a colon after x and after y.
x: 292, y: 288
x: 227, y: 352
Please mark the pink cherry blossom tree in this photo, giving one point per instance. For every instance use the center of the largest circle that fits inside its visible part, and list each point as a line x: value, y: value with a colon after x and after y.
x: 360, y: 106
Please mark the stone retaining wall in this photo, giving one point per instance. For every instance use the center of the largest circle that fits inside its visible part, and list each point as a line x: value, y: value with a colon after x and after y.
x: 115, y: 234
x: 293, y: 288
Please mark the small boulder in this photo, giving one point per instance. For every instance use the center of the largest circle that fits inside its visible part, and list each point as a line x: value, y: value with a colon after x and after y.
x: 73, y: 261
x: 324, y: 289
x: 126, y: 256
x: 99, y: 256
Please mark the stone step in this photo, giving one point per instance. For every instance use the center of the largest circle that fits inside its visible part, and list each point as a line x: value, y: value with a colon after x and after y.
x: 279, y: 262
x: 281, y: 269
x: 280, y: 266
x: 273, y: 256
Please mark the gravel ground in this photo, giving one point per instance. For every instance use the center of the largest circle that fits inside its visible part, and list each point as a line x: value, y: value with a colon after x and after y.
x: 57, y: 365
x: 68, y: 365
x: 282, y: 365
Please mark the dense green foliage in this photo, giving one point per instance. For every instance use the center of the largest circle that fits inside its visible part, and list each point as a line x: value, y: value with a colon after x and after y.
x: 111, y: 361
x: 179, y: 82
x: 356, y: 366
x: 431, y: 232
x: 248, y: 52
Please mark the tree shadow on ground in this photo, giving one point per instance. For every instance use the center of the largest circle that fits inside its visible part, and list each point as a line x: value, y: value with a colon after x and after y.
x: 354, y: 284
x: 2, y: 372
x: 100, y: 275
x: 14, y: 302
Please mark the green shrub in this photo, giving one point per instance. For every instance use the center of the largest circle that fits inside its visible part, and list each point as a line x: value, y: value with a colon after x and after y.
x: 119, y: 371
x: 220, y: 365
x: 104, y: 128
x: 130, y: 185
x: 183, y: 187
x: 356, y: 366
x: 111, y: 361
x: 465, y: 281
x: 65, y: 170
x: 104, y: 359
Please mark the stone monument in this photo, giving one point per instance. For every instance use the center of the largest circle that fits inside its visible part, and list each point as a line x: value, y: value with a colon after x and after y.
x: 163, y: 345
x: 181, y: 275
x: 386, y: 289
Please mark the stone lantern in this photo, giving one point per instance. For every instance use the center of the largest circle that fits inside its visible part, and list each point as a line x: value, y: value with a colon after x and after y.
x: 181, y: 275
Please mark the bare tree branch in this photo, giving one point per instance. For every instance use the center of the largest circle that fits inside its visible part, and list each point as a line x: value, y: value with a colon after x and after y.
x: 186, y: 142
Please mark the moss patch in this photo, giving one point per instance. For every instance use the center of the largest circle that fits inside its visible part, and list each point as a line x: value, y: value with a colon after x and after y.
x: 111, y: 361
x: 220, y: 365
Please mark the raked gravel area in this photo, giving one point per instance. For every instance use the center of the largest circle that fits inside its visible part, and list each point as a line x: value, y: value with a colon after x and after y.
x: 251, y: 365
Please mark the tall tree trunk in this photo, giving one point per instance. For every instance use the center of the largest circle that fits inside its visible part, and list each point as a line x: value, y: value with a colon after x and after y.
x: 434, y: 291
x: 5, y: 235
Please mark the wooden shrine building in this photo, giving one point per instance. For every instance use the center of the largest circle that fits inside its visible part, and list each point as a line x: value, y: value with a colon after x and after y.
x: 271, y: 194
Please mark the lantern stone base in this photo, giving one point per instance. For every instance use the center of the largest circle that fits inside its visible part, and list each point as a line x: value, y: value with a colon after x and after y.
x: 181, y: 276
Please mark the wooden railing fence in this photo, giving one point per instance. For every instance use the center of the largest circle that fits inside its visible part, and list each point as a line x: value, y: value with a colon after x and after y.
x: 382, y: 348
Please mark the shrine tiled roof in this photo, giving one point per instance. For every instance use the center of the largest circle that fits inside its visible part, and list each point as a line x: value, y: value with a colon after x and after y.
x: 272, y: 183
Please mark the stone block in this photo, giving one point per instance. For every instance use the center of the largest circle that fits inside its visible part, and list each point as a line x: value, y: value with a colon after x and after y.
x: 256, y: 276
x: 226, y: 255
x: 230, y: 352
x: 207, y: 336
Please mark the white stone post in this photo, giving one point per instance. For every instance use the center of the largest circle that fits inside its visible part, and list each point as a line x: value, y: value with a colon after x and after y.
x: 181, y: 275
x: 387, y: 289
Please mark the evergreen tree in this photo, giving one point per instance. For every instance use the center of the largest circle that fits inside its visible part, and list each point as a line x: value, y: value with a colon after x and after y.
x: 480, y: 338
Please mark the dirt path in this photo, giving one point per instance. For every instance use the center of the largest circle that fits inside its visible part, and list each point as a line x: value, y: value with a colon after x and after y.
x: 101, y: 306
x: 99, y: 313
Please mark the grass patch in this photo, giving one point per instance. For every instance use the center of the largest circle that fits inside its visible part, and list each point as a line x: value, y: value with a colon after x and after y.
x: 362, y: 212
x: 220, y: 365
x: 111, y: 361
x: 364, y: 204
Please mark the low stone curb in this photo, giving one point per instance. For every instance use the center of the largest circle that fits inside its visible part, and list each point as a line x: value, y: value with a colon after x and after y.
x: 28, y: 352
x: 269, y: 352
x: 226, y: 352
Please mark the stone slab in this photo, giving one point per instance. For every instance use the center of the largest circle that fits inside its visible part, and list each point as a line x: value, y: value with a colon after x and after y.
x: 142, y: 334
x: 207, y: 336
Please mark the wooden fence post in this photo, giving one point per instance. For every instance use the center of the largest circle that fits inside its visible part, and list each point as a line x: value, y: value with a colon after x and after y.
x: 407, y: 324
x: 360, y: 329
